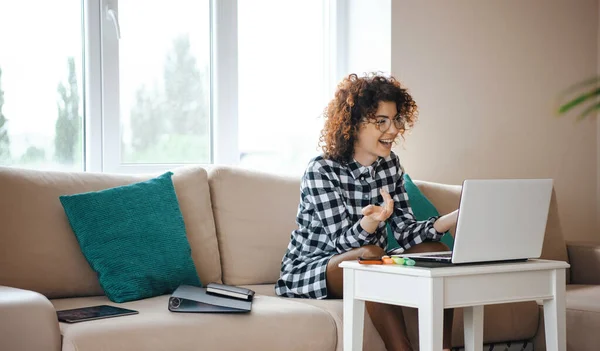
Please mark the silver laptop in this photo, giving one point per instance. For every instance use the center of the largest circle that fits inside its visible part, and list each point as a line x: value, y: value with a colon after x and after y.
x: 499, y: 220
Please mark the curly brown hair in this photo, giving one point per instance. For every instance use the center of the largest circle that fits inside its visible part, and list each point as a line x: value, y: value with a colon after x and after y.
x: 357, y: 97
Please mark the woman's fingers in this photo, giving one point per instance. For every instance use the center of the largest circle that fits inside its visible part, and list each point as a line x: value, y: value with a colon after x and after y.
x: 367, y: 211
x: 375, y: 212
x: 386, y: 195
x: 389, y: 203
x: 380, y: 213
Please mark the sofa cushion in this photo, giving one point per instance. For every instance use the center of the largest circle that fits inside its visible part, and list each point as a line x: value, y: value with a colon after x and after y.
x: 585, y: 262
x: 371, y: 339
x: 502, y: 322
x: 273, y: 324
x: 583, y: 297
x: 583, y: 316
x: 39, y: 251
x: 133, y: 237
x: 255, y: 214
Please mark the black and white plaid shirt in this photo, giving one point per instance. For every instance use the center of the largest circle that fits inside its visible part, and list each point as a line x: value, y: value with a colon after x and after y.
x: 331, y: 199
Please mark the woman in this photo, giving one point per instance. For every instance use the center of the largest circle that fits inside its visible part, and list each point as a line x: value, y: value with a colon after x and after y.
x: 350, y: 192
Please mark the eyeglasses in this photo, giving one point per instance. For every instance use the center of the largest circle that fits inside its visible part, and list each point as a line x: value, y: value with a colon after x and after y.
x: 384, y: 123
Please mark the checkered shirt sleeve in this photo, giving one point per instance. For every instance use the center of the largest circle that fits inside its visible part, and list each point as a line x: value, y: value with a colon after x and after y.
x: 407, y: 230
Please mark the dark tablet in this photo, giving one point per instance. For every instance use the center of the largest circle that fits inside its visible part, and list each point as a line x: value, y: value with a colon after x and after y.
x: 92, y: 313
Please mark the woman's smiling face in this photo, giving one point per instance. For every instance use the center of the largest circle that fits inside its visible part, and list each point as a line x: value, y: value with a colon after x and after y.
x: 371, y: 142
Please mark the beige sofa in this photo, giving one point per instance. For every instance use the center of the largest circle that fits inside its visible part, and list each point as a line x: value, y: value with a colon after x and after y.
x: 238, y: 224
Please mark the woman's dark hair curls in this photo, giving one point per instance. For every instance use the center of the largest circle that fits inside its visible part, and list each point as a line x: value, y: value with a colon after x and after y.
x: 357, y: 98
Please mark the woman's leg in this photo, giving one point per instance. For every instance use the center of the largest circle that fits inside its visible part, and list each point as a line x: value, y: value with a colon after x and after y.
x: 448, y: 313
x: 388, y: 319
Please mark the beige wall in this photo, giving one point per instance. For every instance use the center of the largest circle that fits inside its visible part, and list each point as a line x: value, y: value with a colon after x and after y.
x: 485, y: 75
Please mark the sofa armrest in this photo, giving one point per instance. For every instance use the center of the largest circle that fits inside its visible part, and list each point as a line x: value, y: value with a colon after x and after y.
x: 585, y: 262
x: 27, y: 321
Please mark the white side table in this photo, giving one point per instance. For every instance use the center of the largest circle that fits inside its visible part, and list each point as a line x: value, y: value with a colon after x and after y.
x: 431, y: 290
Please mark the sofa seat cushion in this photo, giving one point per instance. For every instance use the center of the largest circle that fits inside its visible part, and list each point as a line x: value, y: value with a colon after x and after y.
x: 502, y: 322
x: 583, y: 316
x: 273, y: 324
x: 583, y: 297
x: 371, y: 340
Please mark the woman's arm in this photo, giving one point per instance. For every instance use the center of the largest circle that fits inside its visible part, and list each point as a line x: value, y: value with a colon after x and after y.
x: 446, y: 222
x: 407, y: 230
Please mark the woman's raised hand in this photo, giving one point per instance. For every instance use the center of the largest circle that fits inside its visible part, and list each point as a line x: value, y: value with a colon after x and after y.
x: 380, y: 213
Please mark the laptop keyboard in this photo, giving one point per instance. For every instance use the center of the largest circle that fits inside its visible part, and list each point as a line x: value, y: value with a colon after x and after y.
x: 440, y: 255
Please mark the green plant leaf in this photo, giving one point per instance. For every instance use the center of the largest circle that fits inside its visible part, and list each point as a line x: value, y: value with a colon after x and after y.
x: 578, y: 100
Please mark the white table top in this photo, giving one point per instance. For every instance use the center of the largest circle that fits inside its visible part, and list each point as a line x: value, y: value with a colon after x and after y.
x: 530, y: 265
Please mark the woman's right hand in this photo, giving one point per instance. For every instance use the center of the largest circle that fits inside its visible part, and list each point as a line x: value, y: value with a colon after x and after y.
x: 446, y: 222
x: 376, y: 214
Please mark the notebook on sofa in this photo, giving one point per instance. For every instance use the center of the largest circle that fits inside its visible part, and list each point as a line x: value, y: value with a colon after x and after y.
x: 235, y: 292
x: 187, y: 298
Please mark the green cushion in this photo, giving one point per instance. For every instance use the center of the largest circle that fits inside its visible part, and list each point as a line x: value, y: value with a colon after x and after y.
x: 422, y: 209
x: 134, y: 238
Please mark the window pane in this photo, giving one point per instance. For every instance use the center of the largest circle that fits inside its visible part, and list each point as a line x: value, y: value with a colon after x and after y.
x: 281, y: 83
x: 41, y: 87
x: 164, y: 58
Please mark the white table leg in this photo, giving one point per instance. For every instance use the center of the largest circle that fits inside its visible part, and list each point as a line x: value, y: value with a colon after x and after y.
x: 431, y: 315
x: 473, y: 321
x: 554, y: 314
x: 354, y: 315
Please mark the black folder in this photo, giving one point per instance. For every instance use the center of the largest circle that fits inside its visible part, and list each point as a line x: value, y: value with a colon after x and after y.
x: 189, y: 298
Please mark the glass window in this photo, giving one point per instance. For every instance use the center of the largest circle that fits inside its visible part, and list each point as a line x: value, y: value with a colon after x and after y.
x: 41, y: 90
x: 149, y: 90
x: 282, y: 90
x: 164, y: 81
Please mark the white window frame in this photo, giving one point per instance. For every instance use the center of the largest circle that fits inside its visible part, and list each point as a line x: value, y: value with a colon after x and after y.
x: 102, y: 123
x: 92, y: 74
x: 336, y: 43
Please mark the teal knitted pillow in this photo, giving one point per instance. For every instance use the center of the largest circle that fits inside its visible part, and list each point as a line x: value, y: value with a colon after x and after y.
x: 422, y: 209
x: 134, y: 238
